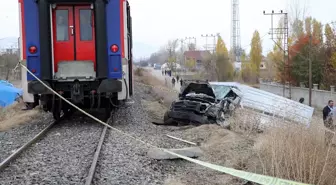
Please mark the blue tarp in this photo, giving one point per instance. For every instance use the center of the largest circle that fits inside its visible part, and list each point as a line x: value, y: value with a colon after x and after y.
x: 8, y: 93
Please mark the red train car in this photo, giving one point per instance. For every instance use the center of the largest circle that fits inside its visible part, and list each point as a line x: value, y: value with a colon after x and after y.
x: 82, y: 49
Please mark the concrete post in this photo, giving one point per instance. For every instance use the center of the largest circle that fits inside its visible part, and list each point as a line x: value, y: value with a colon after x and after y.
x: 302, y: 85
x: 332, y: 88
x: 315, y: 86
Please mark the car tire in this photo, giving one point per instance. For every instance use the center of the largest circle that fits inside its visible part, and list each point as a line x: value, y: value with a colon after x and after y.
x: 167, y: 120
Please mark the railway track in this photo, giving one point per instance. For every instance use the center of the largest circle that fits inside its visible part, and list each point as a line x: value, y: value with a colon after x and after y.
x: 24, y: 147
x: 43, y: 133
x: 89, y: 178
x: 92, y: 170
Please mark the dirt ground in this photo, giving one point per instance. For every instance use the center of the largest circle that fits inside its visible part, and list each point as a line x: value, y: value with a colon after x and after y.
x: 13, y: 116
x: 244, y: 147
x: 220, y: 146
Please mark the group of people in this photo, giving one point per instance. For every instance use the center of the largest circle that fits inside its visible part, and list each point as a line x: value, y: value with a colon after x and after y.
x: 166, y: 72
x: 174, y: 80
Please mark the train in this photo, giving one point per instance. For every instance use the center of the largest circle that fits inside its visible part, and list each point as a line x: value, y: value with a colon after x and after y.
x: 81, y: 49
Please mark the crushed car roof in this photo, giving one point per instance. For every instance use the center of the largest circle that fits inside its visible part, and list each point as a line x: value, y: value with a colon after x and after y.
x: 270, y: 103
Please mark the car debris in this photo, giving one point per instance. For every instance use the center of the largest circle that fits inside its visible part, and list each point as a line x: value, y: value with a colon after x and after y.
x: 198, y: 103
x: 271, y: 108
x: 202, y: 102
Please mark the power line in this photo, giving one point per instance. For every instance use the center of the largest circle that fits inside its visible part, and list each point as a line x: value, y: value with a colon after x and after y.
x: 214, y: 40
x: 261, y: 39
x: 283, y: 31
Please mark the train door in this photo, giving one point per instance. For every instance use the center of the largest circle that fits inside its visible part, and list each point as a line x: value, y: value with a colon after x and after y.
x: 73, y: 34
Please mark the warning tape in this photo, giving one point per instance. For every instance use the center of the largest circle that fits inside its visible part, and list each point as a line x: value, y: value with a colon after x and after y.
x: 253, y: 177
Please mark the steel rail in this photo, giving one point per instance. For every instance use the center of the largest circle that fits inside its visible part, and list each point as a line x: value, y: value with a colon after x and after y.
x: 92, y: 170
x: 17, y: 152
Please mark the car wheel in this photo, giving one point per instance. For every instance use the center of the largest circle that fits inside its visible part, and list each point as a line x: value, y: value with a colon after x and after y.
x: 167, y: 120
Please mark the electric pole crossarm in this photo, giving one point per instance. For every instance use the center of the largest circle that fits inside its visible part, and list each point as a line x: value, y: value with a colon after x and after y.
x: 283, y: 31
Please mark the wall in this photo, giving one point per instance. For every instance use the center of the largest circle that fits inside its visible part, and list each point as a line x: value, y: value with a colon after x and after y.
x: 319, y: 97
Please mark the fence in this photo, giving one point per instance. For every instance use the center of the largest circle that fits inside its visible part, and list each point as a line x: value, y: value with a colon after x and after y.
x: 319, y: 97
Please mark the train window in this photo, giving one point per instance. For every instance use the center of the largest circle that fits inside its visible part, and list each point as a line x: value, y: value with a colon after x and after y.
x: 85, y: 25
x: 62, y: 25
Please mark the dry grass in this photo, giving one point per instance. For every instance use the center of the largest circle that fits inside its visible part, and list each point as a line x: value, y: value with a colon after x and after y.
x: 289, y: 151
x: 157, y: 88
x: 13, y: 116
x: 298, y: 153
x: 155, y: 109
x: 222, y: 146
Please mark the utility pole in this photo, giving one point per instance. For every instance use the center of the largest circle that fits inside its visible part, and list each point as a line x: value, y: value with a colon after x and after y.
x: 189, y: 39
x: 214, y: 41
x: 283, y: 32
x: 310, y: 70
x: 182, y: 52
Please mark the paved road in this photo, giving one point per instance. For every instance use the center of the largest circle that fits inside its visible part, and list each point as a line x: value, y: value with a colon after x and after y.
x: 158, y: 74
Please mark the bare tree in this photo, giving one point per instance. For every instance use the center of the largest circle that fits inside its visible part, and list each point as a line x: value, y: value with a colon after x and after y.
x: 171, y: 48
x: 298, y: 10
x: 8, y: 62
x: 191, y: 47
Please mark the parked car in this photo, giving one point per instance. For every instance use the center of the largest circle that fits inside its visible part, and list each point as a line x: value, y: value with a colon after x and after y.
x: 198, y: 104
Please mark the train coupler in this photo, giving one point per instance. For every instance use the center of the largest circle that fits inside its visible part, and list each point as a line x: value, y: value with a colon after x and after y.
x: 77, y: 94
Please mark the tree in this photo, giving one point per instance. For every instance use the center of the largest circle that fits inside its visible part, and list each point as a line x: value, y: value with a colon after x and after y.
x: 330, y: 37
x: 329, y: 70
x: 308, y: 25
x: 172, y: 57
x: 256, y: 51
x: 317, y: 30
x: 8, y: 61
x: 248, y: 73
x: 191, y: 47
x: 224, y: 67
x: 243, y: 57
x: 300, y: 54
x: 190, y: 64
x: 297, y: 29
x: 297, y: 13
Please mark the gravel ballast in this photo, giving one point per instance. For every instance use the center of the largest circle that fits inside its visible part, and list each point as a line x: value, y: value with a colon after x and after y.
x: 14, y: 138
x: 63, y: 156
x: 124, y: 160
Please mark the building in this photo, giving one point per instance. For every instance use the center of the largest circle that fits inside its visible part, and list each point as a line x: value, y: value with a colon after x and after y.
x: 198, y: 55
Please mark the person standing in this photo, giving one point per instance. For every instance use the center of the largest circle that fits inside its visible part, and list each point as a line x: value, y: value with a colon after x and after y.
x: 173, y: 82
x: 328, y: 120
x: 327, y: 113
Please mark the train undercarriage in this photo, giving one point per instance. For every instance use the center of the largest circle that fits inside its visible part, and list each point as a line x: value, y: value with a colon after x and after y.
x: 86, y: 95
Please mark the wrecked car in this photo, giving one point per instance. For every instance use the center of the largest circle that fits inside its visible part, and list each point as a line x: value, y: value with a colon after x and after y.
x: 199, y: 103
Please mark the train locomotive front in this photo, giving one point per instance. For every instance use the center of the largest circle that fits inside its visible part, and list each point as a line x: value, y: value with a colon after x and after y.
x: 82, y: 49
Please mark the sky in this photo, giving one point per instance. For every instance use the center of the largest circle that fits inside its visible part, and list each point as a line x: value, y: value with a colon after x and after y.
x: 157, y: 21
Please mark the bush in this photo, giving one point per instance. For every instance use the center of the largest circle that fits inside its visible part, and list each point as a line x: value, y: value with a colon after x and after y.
x: 138, y: 71
x: 298, y: 153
